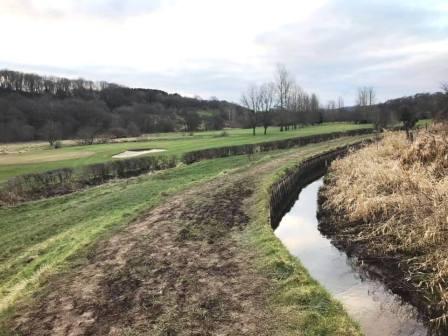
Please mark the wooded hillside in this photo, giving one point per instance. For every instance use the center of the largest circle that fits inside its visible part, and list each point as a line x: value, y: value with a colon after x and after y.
x: 35, y: 107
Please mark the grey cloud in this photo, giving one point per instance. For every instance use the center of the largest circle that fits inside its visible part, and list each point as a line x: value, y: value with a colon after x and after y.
x: 347, y: 44
x: 334, y: 52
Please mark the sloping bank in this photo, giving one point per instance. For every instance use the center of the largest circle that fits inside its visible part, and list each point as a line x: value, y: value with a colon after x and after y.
x: 300, y: 304
x: 180, y: 269
x: 67, y: 180
x: 386, y: 205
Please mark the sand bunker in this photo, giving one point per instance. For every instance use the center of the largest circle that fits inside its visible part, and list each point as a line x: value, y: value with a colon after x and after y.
x: 134, y: 153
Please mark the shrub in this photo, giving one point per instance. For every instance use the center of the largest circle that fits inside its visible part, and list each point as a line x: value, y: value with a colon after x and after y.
x: 65, y: 180
x: 212, y: 153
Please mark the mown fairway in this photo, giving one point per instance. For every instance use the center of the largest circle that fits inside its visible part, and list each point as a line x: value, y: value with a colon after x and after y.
x: 38, y: 158
x: 39, y: 237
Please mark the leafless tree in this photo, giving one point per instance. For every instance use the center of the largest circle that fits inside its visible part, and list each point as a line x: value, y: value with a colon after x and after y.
x: 283, y: 84
x: 366, y: 100
x: 51, y: 131
x: 86, y: 135
x: 444, y: 87
x: 301, y: 106
x: 315, y: 114
x: 371, y: 96
x: 362, y: 97
x: 252, y: 100
x: 267, y: 92
x: 340, y: 103
x: 366, y: 96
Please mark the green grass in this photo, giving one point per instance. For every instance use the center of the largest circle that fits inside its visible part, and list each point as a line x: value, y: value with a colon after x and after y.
x: 302, y: 306
x: 175, y: 144
x: 38, y: 237
x: 49, y: 236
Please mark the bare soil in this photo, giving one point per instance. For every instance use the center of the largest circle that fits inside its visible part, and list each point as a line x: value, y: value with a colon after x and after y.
x: 178, y: 271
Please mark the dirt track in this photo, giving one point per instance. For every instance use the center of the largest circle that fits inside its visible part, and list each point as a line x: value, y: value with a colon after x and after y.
x: 179, y: 271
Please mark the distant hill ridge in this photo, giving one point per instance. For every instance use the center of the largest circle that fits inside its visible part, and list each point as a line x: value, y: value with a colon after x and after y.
x: 32, y: 105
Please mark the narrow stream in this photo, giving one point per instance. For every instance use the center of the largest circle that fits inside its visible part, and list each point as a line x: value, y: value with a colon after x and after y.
x: 378, y: 311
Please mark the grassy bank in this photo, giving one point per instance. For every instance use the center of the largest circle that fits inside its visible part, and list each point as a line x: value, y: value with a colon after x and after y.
x: 39, y: 159
x: 389, y: 205
x: 39, y: 237
x: 302, y: 306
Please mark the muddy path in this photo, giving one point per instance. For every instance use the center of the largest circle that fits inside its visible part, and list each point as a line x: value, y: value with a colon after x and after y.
x: 177, y: 271
x: 181, y: 269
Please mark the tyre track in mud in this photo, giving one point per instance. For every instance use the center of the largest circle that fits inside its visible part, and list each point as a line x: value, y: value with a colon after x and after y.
x: 178, y: 271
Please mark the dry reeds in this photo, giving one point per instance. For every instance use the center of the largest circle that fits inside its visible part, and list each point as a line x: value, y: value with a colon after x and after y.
x: 396, y: 195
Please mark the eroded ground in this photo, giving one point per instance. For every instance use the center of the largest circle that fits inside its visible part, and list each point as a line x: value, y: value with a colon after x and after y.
x: 179, y: 271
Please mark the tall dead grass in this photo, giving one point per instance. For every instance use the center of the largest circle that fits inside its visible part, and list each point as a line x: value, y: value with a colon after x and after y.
x: 394, y: 196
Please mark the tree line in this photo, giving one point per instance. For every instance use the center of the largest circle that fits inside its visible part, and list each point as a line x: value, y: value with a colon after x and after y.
x: 281, y: 102
x: 34, y: 107
x: 285, y: 104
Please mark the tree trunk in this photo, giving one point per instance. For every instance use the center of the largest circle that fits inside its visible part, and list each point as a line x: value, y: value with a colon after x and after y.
x: 253, y: 130
x: 265, y: 129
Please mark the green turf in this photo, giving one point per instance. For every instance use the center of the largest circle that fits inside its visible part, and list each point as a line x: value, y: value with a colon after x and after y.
x: 38, y: 237
x: 302, y: 306
x: 175, y: 144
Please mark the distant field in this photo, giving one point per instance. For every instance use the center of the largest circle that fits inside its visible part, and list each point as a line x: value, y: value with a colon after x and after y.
x: 18, y: 159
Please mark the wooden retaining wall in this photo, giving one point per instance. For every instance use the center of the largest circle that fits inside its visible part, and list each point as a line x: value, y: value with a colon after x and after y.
x: 285, y: 191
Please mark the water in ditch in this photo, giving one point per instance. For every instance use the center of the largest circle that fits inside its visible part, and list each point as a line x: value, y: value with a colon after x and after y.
x: 378, y: 311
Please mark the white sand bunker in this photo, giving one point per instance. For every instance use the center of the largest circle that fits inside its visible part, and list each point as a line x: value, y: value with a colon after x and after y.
x: 134, y: 153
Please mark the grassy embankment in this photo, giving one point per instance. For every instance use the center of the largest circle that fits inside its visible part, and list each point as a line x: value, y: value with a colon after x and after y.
x: 39, y: 237
x: 391, y: 202
x: 301, y: 304
x: 38, y: 159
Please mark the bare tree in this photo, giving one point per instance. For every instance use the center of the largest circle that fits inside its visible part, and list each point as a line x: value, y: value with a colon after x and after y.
x: 362, y: 97
x: 444, y: 87
x: 371, y: 95
x: 51, y: 131
x: 315, y: 114
x: 442, y: 114
x: 340, y: 103
x: 366, y: 96
x: 251, y: 99
x: 267, y: 93
x: 86, y: 135
x: 283, y: 84
x: 366, y: 100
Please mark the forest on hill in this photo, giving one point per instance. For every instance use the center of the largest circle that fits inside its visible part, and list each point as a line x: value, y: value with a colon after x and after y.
x: 34, y: 107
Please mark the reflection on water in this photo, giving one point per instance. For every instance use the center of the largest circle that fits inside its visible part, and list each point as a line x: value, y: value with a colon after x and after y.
x: 377, y: 310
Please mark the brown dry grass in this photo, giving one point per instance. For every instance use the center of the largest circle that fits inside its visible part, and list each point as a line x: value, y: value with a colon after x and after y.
x: 393, y: 196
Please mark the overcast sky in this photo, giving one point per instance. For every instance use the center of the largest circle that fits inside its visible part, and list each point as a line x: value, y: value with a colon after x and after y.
x: 218, y: 47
